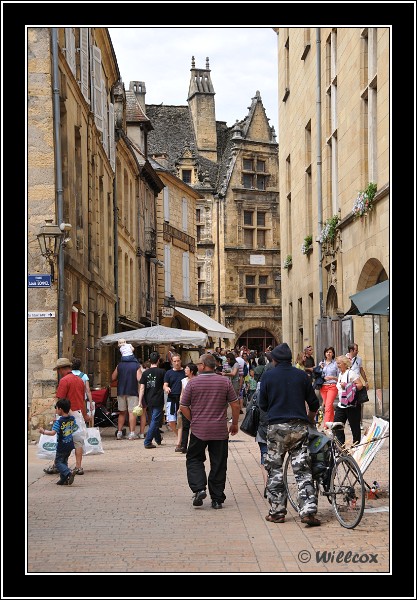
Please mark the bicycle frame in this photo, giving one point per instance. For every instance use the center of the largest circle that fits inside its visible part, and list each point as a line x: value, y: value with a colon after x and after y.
x: 341, y: 482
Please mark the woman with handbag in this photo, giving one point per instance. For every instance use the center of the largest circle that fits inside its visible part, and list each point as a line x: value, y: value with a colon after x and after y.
x: 347, y: 408
x: 328, y: 389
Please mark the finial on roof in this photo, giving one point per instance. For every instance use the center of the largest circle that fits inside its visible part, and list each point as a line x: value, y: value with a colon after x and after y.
x: 207, y: 63
x: 192, y: 62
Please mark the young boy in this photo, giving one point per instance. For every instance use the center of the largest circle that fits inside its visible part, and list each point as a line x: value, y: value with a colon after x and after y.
x: 63, y: 427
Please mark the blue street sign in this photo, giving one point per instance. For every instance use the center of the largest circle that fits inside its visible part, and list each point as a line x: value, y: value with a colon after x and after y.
x: 39, y: 281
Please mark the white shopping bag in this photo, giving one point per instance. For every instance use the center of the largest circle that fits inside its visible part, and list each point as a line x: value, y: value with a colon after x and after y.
x: 47, y: 447
x: 80, y: 430
x: 92, y: 442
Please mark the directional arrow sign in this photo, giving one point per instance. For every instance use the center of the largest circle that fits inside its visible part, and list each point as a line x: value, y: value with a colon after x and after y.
x: 41, y: 314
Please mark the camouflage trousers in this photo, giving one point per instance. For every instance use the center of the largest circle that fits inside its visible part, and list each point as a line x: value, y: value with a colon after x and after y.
x: 291, y: 436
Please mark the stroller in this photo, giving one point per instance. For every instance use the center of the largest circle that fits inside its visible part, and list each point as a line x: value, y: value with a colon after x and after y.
x: 103, y: 417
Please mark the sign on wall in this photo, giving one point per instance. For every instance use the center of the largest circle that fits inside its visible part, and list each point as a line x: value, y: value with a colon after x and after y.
x: 39, y: 281
x: 41, y: 314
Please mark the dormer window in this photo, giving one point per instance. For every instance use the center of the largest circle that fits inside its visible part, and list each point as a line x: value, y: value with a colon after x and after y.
x: 186, y: 175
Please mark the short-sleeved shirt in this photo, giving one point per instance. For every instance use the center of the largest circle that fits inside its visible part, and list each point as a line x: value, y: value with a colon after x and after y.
x: 73, y: 388
x: 173, y: 379
x: 208, y: 397
x: 356, y: 365
x: 153, y: 380
x: 64, y: 427
x: 82, y: 376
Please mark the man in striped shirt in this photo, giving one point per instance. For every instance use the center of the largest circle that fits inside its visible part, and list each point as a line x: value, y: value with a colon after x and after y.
x: 204, y: 402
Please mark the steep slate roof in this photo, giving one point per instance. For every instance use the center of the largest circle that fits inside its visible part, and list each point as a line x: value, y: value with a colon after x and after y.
x: 173, y: 132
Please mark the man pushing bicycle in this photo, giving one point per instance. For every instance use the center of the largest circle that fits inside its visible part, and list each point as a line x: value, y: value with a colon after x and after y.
x: 284, y: 392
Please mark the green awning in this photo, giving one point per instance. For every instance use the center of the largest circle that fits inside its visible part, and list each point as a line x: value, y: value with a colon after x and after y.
x: 372, y: 301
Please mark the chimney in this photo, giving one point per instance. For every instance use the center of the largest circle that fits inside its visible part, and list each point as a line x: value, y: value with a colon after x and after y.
x: 139, y: 89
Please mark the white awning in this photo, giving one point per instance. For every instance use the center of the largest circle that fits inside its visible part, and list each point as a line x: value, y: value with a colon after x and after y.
x: 213, y: 328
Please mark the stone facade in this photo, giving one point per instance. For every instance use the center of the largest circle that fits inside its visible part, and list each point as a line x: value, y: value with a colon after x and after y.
x: 92, y: 294
x: 235, y: 172
x: 353, y: 135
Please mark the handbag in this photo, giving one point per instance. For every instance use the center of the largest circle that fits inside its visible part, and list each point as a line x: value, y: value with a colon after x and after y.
x: 250, y: 422
x: 348, y: 394
x: 92, y: 442
x: 361, y: 396
x: 47, y: 447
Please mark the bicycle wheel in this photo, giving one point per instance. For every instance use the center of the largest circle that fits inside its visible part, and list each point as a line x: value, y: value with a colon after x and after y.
x: 347, y: 491
x: 290, y: 483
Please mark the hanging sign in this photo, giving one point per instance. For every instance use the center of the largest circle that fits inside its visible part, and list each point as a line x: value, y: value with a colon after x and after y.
x: 167, y: 311
x: 39, y: 281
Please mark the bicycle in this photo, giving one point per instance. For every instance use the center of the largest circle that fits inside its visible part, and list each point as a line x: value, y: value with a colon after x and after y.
x: 337, y: 477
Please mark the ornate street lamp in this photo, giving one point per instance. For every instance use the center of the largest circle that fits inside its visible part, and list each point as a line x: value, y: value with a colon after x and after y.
x: 51, y: 237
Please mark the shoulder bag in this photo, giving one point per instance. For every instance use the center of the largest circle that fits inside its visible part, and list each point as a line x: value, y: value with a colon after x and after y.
x: 250, y: 422
x: 348, y: 394
x: 361, y: 396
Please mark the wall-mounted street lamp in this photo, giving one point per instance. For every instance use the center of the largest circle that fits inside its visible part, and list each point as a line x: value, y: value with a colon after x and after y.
x: 51, y: 237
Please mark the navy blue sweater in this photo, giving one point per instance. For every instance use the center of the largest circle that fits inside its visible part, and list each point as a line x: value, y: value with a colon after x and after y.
x: 283, y: 393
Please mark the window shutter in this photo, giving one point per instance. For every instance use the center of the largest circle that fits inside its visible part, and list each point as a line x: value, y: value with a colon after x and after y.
x: 186, y: 276
x: 184, y: 214
x: 98, y: 101
x: 167, y: 263
x: 166, y: 203
x: 70, y: 48
x: 84, y: 69
x: 112, y: 148
x: 105, y: 118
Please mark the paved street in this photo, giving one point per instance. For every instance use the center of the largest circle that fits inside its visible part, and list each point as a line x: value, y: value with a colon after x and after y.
x: 137, y: 517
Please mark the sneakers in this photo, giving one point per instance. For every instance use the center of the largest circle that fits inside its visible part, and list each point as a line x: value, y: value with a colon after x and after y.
x: 216, y: 504
x: 150, y: 446
x: 119, y: 435
x: 199, y: 497
x: 70, y: 478
x: 275, y: 518
x: 310, y: 521
x: 133, y: 436
x: 141, y: 436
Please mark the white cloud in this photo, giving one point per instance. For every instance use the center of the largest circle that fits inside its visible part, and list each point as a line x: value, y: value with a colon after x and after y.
x: 242, y: 61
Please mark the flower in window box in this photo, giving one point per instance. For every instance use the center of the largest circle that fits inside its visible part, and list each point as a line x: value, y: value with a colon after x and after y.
x: 307, y: 246
x: 288, y: 262
x: 364, y: 201
x: 329, y: 231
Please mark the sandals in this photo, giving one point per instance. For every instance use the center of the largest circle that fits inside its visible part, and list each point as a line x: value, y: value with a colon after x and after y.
x: 51, y: 470
x: 275, y: 518
x: 79, y: 471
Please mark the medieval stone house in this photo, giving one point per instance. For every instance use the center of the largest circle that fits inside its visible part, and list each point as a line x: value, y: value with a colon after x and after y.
x: 234, y: 170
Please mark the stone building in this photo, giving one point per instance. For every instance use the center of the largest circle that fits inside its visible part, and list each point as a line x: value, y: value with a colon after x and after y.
x: 334, y: 92
x: 234, y: 170
x: 87, y: 176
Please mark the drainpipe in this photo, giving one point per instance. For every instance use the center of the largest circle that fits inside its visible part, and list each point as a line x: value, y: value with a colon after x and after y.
x: 116, y: 255
x: 218, y: 259
x: 58, y: 184
x: 319, y: 164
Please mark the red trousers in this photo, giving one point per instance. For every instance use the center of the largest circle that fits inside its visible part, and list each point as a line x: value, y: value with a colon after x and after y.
x: 329, y: 394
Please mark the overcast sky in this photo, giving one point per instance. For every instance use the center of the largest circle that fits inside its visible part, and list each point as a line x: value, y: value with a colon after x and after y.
x: 242, y: 61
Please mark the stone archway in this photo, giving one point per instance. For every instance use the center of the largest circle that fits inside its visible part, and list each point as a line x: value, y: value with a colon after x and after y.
x: 331, y: 302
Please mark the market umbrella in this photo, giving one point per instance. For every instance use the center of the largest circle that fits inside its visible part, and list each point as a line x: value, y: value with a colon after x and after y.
x: 156, y: 335
x: 372, y: 301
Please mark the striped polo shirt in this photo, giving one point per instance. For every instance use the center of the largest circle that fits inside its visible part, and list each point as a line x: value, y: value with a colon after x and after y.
x: 208, y: 397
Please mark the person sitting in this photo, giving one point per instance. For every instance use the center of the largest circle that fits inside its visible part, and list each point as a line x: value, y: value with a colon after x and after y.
x: 126, y: 350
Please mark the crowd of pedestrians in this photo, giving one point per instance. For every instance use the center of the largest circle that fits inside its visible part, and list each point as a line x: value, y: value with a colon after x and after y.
x: 195, y: 401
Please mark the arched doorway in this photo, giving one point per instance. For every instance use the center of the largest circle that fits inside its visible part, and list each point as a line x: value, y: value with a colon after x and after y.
x: 257, y: 339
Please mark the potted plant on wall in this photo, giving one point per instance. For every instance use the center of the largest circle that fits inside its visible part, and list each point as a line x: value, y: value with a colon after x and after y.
x: 307, y: 246
x: 364, y: 201
x: 288, y: 262
x: 329, y: 231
